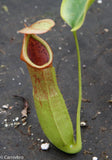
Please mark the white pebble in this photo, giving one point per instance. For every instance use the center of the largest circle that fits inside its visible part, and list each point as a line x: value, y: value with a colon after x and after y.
x: 41, y: 140
x: 25, y: 20
x: 13, y: 79
x: 98, y: 112
x: 60, y: 48
x: 6, y: 125
x: 17, y: 118
x: 45, y: 146
x: 99, y: 1
x: 106, y: 30
x: 32, y: 134
x: 19, y: 83
x: 38, y: 139
x: 16, y: 123
x: 83, y: 124
x: 94, y: 158
x: 5, y: 106
x: 84, y: 66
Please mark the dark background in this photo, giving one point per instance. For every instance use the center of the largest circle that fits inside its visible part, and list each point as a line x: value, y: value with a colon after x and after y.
x: 95, y: 39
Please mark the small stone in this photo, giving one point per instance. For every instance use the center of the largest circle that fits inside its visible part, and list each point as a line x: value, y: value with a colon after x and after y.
x: 5, y: 120
x: 83, y: 124
x: 32, y: 134
x: 13, y: 79
x: 45, y: 146
x: 19, y: 83
x: 84, y: 66
x: 106, y: 156
x: 5, y: 106
x: 11, y: 107
x: 17, y: 118
x: 38, y: 139
x: 106, y: 30
x: 60, y: 48
x: 41, y: 140
x: 25, y: 20
x: 94, y: 158
x: 16, y: 123
x: 98, y: 112
x: 2, y: 66
x: 99, y: 1
x: 6, y: 125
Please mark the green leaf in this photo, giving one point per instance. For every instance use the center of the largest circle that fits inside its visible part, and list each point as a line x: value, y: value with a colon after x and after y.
x: 73, y: 12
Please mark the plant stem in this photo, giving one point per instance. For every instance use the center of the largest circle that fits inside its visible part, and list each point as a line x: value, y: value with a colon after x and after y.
x: 78, y: 130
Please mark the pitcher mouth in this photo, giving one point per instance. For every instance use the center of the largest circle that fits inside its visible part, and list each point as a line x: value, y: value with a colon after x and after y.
x: 36, y: 52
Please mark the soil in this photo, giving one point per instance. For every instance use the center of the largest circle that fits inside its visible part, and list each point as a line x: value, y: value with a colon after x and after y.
x: 21, y: 138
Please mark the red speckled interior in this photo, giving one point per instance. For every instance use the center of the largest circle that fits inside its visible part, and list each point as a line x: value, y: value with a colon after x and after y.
x: 37, y: 53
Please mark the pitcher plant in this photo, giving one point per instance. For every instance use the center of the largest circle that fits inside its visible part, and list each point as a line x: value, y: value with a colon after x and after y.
x: 50, y: 106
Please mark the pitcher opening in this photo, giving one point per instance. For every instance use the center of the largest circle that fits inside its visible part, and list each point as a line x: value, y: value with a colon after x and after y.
x: 36, y: 52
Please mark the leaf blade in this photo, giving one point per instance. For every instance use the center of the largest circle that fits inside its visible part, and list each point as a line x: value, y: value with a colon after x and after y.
x: 73, y: 12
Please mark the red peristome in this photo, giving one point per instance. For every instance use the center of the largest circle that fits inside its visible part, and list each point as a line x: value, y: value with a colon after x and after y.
x: 37, y: 53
